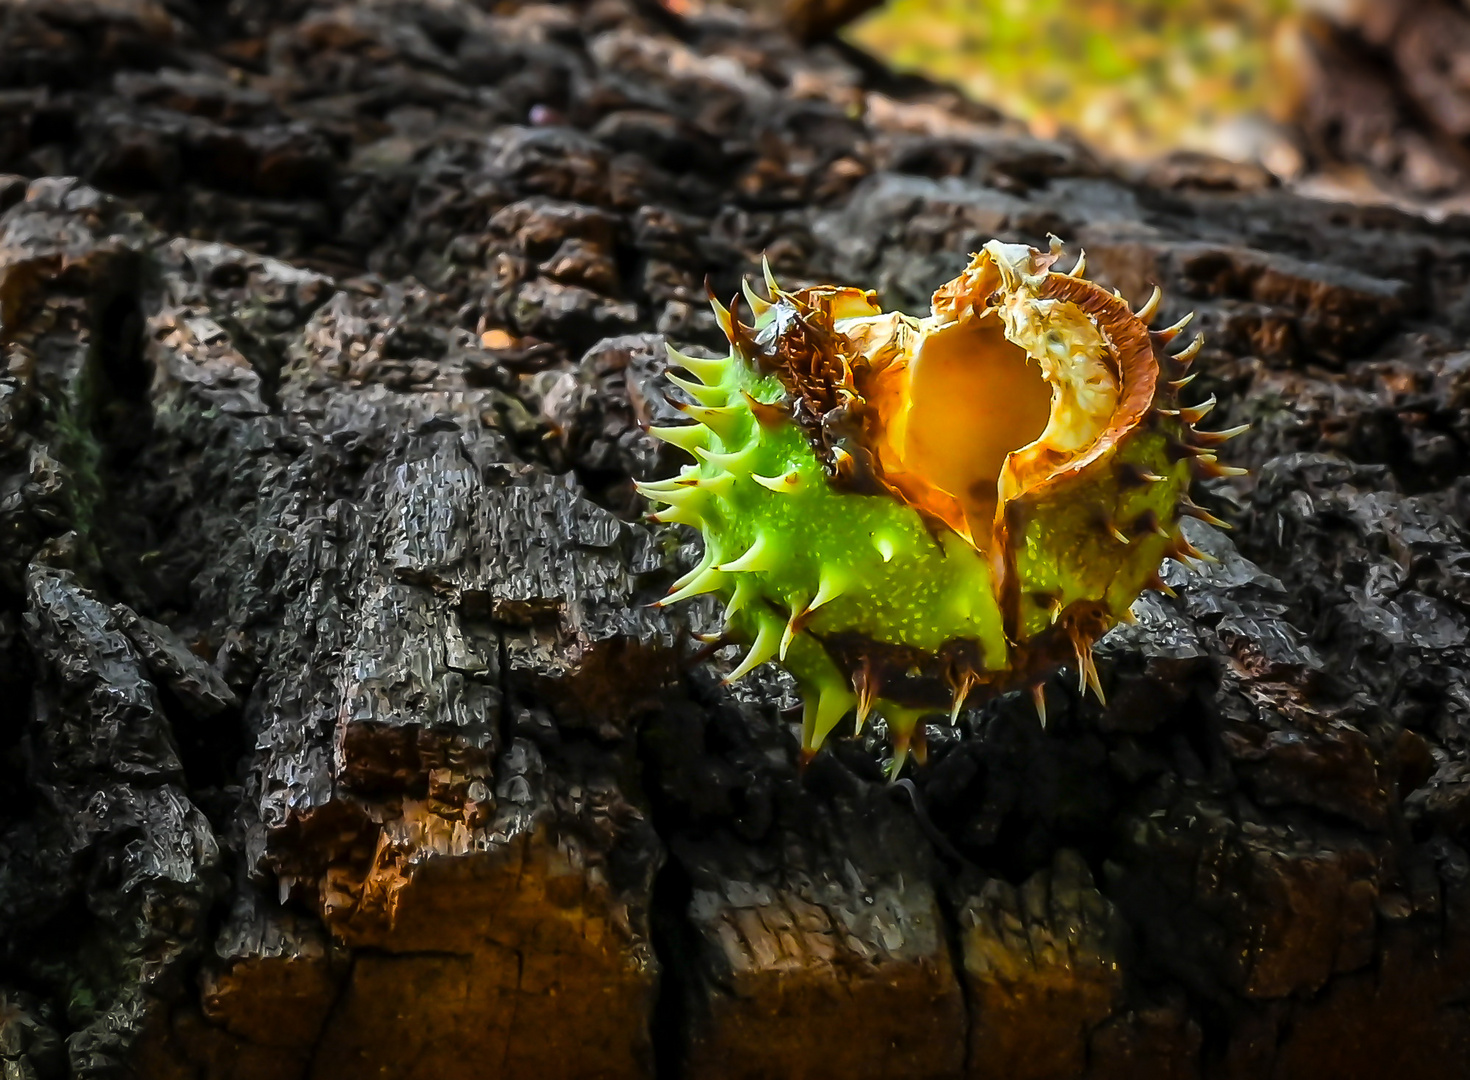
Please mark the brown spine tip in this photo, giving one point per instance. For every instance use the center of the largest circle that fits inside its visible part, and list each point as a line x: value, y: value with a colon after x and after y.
x: 1086, y: 669
x: 1158, y: 584
x: 1199, y: 513
x: 1207, y: 468
x: 1185, y: 356
x: 1212, y: 439
x: 919, y: 747
x: 767, y: 415
x: 1193, y: 414
x: 961, y: 682
x: 865, y: 686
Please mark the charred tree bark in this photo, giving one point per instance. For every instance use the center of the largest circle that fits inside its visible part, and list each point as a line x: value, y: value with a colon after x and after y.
x: 338, y: 734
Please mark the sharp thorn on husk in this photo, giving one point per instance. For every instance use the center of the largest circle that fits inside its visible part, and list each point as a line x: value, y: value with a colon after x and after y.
x: 1158, y: 584
x: 1211, y: 439
x: 706, y: 561
x: 1213, y: 470
x: 701, y: 392
x: 1087, y: 670
x: 708, y: 581
x: 765, y: 413
x: 1199, y: 513
x: 1169, y: 333
x: 960, y: 686
x: 758, y: 307
x: 708, y: 371
x: 784, y: 484
x: 723, y: 420
x: 744, y: 593
x: 723, y: 317
x: 1193, y: 414
x: 689, y: 438
x: 828, y: 589
x: 731, y: 462
x: 1094, y: 682
x: 865, y: 686
x: 1150, y: 306
x: 771, y: 287
x: 678, y: 515
x: 759, y: 557
x: 767, y: 640
x: 1186, y: 355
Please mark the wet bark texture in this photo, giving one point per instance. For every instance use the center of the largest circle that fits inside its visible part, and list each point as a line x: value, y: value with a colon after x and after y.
x: 337, y: 737
x: 1379, y: 93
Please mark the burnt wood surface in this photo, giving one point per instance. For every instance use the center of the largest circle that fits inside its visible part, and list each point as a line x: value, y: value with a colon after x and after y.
x: 338, y: 737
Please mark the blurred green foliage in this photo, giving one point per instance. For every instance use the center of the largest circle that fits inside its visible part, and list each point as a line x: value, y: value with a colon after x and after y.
x: 1135, y: 79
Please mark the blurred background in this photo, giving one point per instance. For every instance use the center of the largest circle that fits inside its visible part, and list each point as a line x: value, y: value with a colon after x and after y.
x: 1362, y: 100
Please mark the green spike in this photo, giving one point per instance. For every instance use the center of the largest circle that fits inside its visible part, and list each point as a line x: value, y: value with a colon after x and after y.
x: 711, y: 372
x: 737, y: 461
x: 798, y: 612
x: 656, y: 491
x: 690, y: 438
x: 786, y: 484
x: 726, y: 421
x: 760, y: 556
x: 706, y: 561
x: 831, y: 585
x: 680, y: 515
x: 684, y: 495
x: 772, y: 289
x: 865, y: 691
x: 708, y: 581
x: 767, y: 641
x: 719, y: 484
x: 724, y: 318
x: 833, y: 700
x: 901, y: 724
x: 758, y: 307
x: 744, y: 592
x: 961, y: 690
x: 705, y: 395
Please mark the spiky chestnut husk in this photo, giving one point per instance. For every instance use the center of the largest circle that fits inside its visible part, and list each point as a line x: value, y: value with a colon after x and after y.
x: 904, y: 512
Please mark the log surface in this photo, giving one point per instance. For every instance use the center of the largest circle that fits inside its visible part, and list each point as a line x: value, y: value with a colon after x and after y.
x: 339, y: 736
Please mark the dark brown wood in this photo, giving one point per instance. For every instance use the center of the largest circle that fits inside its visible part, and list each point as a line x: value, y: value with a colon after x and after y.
x: 338, y: 735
